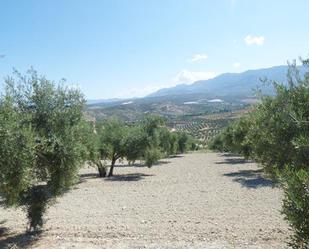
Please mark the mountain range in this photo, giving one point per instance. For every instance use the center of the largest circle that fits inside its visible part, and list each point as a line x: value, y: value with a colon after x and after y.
x: 232, y: 83
x: 224, y: 93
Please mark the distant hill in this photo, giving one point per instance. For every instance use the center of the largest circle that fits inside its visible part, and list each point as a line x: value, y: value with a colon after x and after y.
x: 98, y: 101
x: 224, y: 93
x: 231, y: 83
x: 167, y: 106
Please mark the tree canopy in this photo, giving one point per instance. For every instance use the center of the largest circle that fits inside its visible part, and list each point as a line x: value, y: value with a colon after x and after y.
x: 276, y: 134
x: 41, y: 149
x: 147, y: 140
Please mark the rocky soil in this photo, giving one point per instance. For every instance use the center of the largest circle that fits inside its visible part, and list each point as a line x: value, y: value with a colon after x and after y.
x: 199, y: 200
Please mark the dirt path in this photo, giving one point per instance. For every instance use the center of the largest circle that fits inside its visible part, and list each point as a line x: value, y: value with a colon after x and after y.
x: 192, y: 201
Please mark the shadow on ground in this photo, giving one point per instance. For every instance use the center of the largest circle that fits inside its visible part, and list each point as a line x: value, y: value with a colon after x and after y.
x: 229, y: 154
x: 230, y: 158
x: 141, y: 165
x: 250, y: 178
x: 1, y: 204
x: 176, y: 156
x: 23, y: 240
x: 133, y: 177
x: 234, y: 161
x: 87, y: 176
x: 3, y: 230
x: 124, y: 177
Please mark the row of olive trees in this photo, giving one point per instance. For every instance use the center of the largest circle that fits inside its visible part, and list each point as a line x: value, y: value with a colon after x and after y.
x: 40, y: 145
x: 44, y: 140
x: 149, y: 140
x: 276, y: 134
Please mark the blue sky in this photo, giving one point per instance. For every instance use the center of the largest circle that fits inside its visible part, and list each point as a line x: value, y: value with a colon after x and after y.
x: 125, y: 48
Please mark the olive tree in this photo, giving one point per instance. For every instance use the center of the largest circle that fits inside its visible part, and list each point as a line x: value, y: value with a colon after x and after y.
x: 118, y: 140
x: 41, y: 149
x: 91, y: 140
x: 147, y: 140
x: 276, y: 134
x: 135, y: 143
x: 112, y: 134
x: 168, y: 142
x: 183, y: 142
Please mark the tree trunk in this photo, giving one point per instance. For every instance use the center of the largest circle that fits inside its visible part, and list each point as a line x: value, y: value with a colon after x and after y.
x: 111, y: 171
x: 101, y: 169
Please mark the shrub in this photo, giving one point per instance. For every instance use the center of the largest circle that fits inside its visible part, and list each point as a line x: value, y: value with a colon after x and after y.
x: 183, y: 142
x: 152, y: 156
x: 296, y: 207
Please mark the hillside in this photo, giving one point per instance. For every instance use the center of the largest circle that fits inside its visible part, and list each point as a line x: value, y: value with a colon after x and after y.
x: 224, y: 93
x: 170, y: 107
x: 230, y: 84
x: 190, y: 108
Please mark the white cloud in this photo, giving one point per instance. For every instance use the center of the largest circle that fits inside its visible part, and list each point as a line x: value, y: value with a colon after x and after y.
x: 139, y: 92
x: 183, y: 77
x: 236, y: 65
x: 198, y: 57
x: 188, y: 77
x: 254, y: 40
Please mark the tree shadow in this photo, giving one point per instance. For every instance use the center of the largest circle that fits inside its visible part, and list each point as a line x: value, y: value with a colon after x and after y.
x: 125, y: 177
x: 176, y: 156
x: 23, y: 240
x: 140, y: 165
x: 86, y: 176
x: 251, y: 178
x: 83, y: 177
x: 3, y: 230
x: 236, y: 160
x: 229, y: 155
x: 162, y: 163
x: 133, y: 177
x: 1, y: 202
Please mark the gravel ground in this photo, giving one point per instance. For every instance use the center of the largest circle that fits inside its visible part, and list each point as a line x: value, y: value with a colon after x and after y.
x: 199, y: 200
